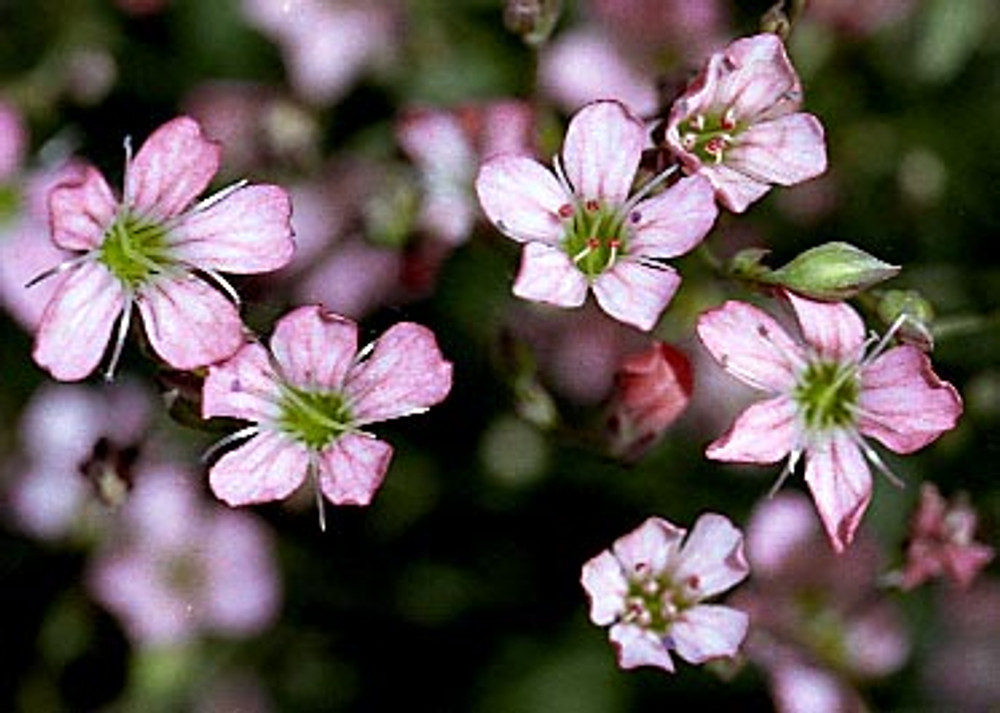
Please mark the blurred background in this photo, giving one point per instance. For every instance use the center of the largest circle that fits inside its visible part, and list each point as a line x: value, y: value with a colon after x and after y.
x: 124, y: 586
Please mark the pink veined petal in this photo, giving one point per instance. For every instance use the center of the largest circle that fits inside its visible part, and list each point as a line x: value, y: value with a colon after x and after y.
x: 601, y: 152
x: 903, y: 404
x: 841, y: 485
x: 353, y: 468
x: 548, y: 275
x: 709, y: 631
x: 189, y: 324
x: 244, y: 386
x: 758, y: 79
x: 651, y: 546
x: 765, y: 433
x: 522, y: 198
x: 712, y: 556
x: 80, y: 211
x: 435, y: 139
x: 639, y: 647
x: 76, y: 325
x: 675, y: 221
x: 315, y: 348
x: 267, y: 467
x: 173, y: 167
x: 248, y: 231
x: 833, y: 329
x: 787, y: 150
x: 606, y: 588
x: 751, y: 346
x: 404, y: 374
x: 733, y: 189
x: 636, y: 293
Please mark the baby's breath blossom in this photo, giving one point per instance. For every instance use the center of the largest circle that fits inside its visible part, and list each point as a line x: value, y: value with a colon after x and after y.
x: 739, y: 123
x: 310, y: 399
x: 824, y: 396
x: 151, y: 250
x: 582, y: 227
x: 651, y: 585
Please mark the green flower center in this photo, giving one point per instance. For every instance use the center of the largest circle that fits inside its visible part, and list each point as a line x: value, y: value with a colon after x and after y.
x: 314, y: 418
x: 134, y: 250
x: 654, y: 602
x: 595, y: 235
x: 827, y: 394
x: 708, y: 136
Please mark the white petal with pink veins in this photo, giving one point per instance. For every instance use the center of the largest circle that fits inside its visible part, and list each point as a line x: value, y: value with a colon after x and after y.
x: 709, y: 631
x: 81, y: 211
x: 522, y: 198
x: 766, y: 432
x: 548, y: 275
x: 352, y: 469
x: 635, y: 293
x: 712, y: 556
x: 244, y: 386
x: 675, y: 221
x: 601, y: 152
x: 268, y: 467
x: 841, y: 485
x: 315, y: 348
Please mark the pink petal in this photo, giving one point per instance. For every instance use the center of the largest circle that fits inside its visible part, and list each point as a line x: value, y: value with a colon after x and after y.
x: 522, y: 198
x: 404, y: 374
x: 248, y: 231
x: 189, y: 324
x: 786, y: 150
x: 765, y: 433
x: 799, y: 688
x: 675, y: 221
x: 712, y: 556
x: 757, y: 79
x: 733, y: 189
x: 841, y: 485
x: 548, y: 275
x: 606, y: 588
x: 903, y: 404
x: 81, y: 211
x: 636, y: 293
x: 601, y: 152
x: 77, y: 323
x: 315, y: 348
x: 173, y: 167
x: 639, y: 647
x: 779, y: 529
x: 436, y: 140
x: 352, y: 469
x: 709, y: 631
x: 268, y: 467
x: 650, y: 547
x: 244, y: 386
x: 833, y: 329
x: 751, y: 346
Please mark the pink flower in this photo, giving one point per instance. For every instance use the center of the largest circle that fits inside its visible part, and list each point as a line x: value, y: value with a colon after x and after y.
x: 649, y: 587
x: 825, y: 395
x: 311, y: 398
x: 152, y: 250
x: 581, y: 228
x: 739, y: 123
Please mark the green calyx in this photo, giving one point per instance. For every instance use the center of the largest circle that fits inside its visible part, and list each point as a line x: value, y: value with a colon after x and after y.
x: 827, y: 394
x: 134, y: 250
x: 595, y: 236
x: 314, y: 418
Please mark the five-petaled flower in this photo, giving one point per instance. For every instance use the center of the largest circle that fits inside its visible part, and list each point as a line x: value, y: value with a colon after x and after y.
x: 826, y: 394
x: 739, y: 124
x: 651, y: 585
x: 311, y: 398
x: 151, y: 250
x: 581, y: 227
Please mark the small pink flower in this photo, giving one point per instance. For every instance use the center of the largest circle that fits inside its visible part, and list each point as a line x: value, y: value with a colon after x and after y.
x: 582, y: 229
x: 739, y: 123
x: 152, y: 250
x: 311, y: 398
x: 825, y: 396
x: 650, y: 587
x: 942, y: 542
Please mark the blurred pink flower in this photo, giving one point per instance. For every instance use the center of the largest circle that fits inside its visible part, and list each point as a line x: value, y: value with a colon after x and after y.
x: 859, y: 17
x: 182, y: 568
x: 310, y: 399
x: 825, y: 395
x: 146, y: 250
x: 651, y: 585
x: 739, y: 123
x: 584, y: 231
x: 13, y: 141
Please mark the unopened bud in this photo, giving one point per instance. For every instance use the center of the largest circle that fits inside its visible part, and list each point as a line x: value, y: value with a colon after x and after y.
x: 917, y: 312
x: 832, y: 271
x: 532, y: 20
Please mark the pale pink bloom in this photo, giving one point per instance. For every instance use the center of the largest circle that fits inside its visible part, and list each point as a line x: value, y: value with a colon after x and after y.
x: 942, y: 542
x: 739, y: 124
x: 447, y: 147
x: 182, y: 568
x: 152, y: 250
x: 650, y: 588
x: 582, y: 227
x: 824, y: 397
x: 310, y: 400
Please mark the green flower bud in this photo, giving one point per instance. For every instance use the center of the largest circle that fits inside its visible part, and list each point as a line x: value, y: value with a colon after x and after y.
x: 832, y: 271
x: 532, y: 20
x: 919, y: 313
